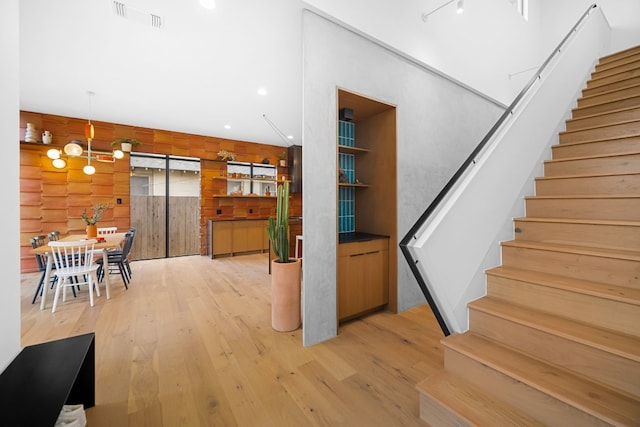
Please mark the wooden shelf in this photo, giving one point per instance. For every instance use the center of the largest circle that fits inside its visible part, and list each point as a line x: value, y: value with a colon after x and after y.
x: 218, y: 196
x: 345, y: 184
x: 348, y: 149
x: 226, y: 178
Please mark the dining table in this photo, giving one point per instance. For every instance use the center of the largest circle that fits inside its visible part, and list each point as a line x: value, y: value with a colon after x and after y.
x: 111, y: 241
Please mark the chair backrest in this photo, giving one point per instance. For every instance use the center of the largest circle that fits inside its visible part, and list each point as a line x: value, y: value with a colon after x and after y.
x: 41, y: 259
x: 128, y: 242
x: 107, y: 230
x: 54, y: 236
x: 74, y: 255
x: 37, y: 241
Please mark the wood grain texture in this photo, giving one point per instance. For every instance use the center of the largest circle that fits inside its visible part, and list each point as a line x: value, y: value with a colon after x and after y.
x: 190, y: 343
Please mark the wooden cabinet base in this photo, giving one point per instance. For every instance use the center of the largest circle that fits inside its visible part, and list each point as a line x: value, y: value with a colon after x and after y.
x: 285, y: 295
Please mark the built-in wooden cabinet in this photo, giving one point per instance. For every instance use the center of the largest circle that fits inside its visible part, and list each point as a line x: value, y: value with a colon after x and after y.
x: 363, y: 277
x: 367, y: 205
x: 238, y: 237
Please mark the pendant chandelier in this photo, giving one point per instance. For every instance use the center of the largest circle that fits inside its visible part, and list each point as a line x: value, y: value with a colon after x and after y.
x: 74, y: 149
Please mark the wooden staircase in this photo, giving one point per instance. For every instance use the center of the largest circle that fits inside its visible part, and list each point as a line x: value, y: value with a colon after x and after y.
x: 556, y: 341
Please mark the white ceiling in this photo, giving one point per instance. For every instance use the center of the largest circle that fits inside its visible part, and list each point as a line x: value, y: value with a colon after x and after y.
x: 198, y: 73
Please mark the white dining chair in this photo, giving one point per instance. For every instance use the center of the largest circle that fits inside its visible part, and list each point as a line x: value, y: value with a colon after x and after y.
x: 107, y: 230
x: 74, y: 267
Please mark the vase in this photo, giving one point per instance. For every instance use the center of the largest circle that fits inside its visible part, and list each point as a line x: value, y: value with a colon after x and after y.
x: 285, y: 295
x: 92, y: 231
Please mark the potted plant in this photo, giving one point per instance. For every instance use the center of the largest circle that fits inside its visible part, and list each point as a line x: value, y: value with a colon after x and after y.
x: 282, y: 159
x: 91, y: 221
x: 126, y: 143
x: 285, y: 271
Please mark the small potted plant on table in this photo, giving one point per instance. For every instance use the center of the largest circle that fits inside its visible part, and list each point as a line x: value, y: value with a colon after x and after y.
x: 91, y: 221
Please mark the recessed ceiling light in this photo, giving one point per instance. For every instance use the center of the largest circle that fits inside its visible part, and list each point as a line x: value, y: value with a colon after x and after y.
x: 262, y: 91
x: 227, y: 126
x: 290, y: 137
x: 208, y: 4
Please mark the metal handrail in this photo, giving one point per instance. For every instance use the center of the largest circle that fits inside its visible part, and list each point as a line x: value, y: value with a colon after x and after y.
x: 469, y: 162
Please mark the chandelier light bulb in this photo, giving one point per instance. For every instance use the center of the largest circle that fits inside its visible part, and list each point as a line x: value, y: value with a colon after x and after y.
x: 53, y: 153
x: 89, y: 170
x: 118, y: 154
x: 73, y: 149
x: 59, y: 163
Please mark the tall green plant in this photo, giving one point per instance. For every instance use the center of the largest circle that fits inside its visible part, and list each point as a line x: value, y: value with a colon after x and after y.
x: 278, y: 228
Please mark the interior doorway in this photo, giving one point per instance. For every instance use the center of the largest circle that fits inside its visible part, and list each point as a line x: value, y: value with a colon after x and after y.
x: 165, y: 205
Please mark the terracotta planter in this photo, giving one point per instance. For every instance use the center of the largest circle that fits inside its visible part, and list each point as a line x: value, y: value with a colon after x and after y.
x: 285, y: 295
x: 92, y: 231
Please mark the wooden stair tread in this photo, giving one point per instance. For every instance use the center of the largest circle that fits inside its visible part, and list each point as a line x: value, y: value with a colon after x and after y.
x: 624, y: 82
x: 601, y: 290
x: 580, y: 221
x: 594, y: 156
x: 631, y: 100
x: 574, y: 143
x: 602, y: 81
x: 590, y: 175
x: 584, y: 196
x: 604, y: 339
x: 609, y: 92
x: 589, y: 128
x: 619, y: 54
x: 575, y: 249
x: 600, y: 126
x: 472, y: 404
x: 605, y: 113
x: 600, y: 401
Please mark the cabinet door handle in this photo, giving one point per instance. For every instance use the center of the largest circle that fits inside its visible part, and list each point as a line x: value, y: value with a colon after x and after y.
x: 354, y: 255
x: 372, y: 252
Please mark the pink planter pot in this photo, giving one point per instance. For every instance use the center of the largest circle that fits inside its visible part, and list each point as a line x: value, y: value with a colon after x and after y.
x: 285, y: 295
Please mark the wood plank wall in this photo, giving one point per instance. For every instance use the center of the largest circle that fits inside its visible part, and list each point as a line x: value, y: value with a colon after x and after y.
x: 52, y: 199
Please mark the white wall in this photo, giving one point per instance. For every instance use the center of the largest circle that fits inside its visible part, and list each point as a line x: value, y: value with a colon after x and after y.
x: 429, y: 149
x: 559, y: 16
x: 489, y: 41
x: 479, y: 47
x: 9, y: 135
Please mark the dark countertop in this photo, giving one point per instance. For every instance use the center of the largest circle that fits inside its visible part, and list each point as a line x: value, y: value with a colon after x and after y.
x: 358, y: 237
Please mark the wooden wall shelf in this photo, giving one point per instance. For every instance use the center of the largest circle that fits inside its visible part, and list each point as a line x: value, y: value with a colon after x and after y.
x: 348, y: 149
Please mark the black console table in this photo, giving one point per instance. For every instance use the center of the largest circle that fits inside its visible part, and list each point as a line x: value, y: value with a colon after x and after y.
x: 44, y: 377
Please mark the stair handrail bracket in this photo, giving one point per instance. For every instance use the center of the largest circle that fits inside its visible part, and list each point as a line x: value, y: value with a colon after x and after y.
x: 457, y: 238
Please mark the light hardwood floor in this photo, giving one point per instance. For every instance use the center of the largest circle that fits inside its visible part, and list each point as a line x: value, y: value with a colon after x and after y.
x: 190, y: 344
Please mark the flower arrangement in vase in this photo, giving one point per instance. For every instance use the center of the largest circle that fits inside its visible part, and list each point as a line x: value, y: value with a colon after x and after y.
x: 91, y: 221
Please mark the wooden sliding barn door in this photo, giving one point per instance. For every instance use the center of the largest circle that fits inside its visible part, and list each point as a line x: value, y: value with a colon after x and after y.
x: 165, y: 206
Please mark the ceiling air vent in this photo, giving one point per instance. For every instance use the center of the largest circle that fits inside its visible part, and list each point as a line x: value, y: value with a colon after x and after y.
x: 137, y: 15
